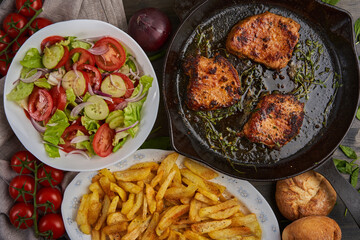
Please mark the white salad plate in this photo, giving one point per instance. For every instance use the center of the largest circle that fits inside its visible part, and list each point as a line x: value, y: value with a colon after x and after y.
x: 241, y: 189
x: 32, y: 140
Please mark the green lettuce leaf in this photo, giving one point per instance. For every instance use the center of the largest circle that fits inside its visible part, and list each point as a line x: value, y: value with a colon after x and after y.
x: 90, y: 124
x: 21, y: 91
x: 42, y: 83
x: 56, y: 127
x: 52, y: 151
x: 32, y: 59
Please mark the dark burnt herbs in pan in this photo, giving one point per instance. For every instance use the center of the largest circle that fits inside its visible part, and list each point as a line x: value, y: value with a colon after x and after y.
x: 309, y: 79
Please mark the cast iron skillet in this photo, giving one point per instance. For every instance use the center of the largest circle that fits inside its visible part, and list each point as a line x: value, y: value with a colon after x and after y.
x: 336, y: 25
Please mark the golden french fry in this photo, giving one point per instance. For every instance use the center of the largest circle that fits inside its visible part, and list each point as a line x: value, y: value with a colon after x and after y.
x: 194, y: 210
x: 208, y: 194
x: 155, y: 181
x: 171, y: 216
x: 127, y: 206
x: 102, y: 235
x: 134, y: 234
x: 255, y: 228
x: 165, y: 234
x: 203, y: 212
x: 160, y: 194
x: 129, y: 187
x: 104, y: 210
x: 96, y: 178
x: 152, y: 165
x: 185, y: 200
x: 188, y: 234
x: 137, y: 205
x: 133, y: 174
x: 85, y: 228
x: 145, y: 208
x: 115, y: 218
x: 180, y: 192
x: 105, y: 185
x: 177, y: 178
x: 150, y: 234
x: 243, y: 220
x: 202, y: 198
x: 95, y: 186
x: 95, y: 235
x: 229, y: 232
x: 206, y: 227
x: 81, y: 217
x: 215, y: 188
x: 150, y: 197
x: 198, y: 181
x: 135, y: 223
x: 159, y: 205
x: 106, y: 172
x: 94, y: 207
x: 200, y: 170
x: 166, y: 165
x: 225, y: 213
x: 116, y: 228
x: 113, y: 205
x: 149, y: 178
x: 118, y: 190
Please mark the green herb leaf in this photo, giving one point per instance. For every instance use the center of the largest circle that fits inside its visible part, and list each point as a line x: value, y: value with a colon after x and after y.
x: 157, y: 143
x: 331, y: 2
x: 354, y: 177
x: 348, y: 151
x: 343, y: 166
x: 357, y: 31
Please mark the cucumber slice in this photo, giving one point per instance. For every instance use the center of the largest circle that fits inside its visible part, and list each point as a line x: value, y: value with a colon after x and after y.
x: 98, y: 110
x: 113, y: 115
x: 78, y: 84
x: 116, y: 122
x: 52, y: 56
x: 118, y: 90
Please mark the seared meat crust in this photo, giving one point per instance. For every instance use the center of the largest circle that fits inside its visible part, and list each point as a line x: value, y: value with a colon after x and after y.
x: 266, y: 38
x: 277, y: 119
x: 214, y: 83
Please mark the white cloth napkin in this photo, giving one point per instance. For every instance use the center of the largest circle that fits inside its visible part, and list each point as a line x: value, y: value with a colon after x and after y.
x: 111, y: 11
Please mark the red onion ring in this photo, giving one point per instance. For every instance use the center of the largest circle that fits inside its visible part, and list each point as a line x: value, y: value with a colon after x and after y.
x: 100, y: 50
x: 79, y: 139
x: 78, y: 152
x: 32, y: 78
x: 76, y: 110
x: 126, y: 128
x: 37, y: 126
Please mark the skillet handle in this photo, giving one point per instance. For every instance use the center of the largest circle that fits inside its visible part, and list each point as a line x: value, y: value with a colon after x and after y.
x: 345, y: 191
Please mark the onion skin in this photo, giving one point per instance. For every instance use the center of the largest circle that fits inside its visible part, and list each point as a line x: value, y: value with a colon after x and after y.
x: 150, y: 28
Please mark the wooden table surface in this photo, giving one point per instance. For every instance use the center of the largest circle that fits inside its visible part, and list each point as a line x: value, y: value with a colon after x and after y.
x: 349, y: 228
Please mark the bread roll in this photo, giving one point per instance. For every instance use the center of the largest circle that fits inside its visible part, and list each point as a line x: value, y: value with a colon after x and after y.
x: 312, y: 228
x: 305, y: 195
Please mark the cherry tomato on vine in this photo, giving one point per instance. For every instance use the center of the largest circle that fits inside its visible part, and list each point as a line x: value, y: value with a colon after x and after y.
x: 38, y: 24
x: 25, y: 182
x: 40, y: 104
x: 102, y: 142
x: 13, y: 23
x: 114, y: 58
x: 57, y: 175
x: 21, y: 210
x: 5, y: 61
x: 53, y: 195
x: 26, y: 7
x: 54, y: 223
x: 4, y: 40
x: 21, y: 159
x: 19, y: 42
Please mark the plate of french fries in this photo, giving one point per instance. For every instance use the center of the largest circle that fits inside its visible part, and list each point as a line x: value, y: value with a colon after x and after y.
x: 156, y: 194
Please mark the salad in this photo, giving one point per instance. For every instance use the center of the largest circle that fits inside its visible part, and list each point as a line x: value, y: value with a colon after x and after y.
x: 84, y: 96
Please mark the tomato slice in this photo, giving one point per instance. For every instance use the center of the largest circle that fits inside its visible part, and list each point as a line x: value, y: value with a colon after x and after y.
x: 50, y: 41
x: 64, y: 59
x: 112, y: 105
x: 93, y: 73
x: 69, y: 133
x: 40, y: 104
x: 114, y: 58
x: 85, y: 56
x: 59, y: 98
x: 129, y: 84
x: 102, y: 142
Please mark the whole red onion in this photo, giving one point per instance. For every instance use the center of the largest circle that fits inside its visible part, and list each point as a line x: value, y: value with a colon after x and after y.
x: 150, y: 28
